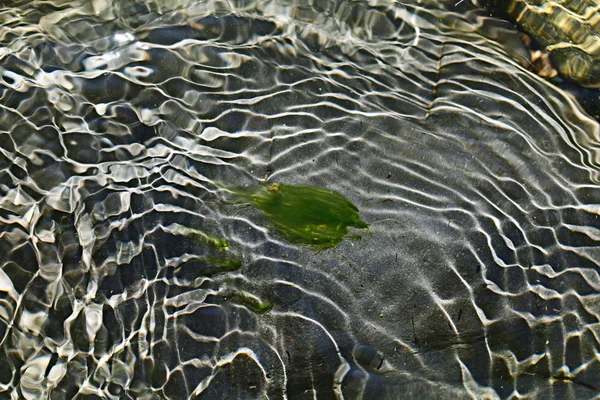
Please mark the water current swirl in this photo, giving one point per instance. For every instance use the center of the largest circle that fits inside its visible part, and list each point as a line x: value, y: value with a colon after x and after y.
x: 130, y: 271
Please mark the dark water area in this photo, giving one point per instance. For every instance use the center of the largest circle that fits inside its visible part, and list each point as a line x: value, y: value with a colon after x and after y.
x: 164, y: 166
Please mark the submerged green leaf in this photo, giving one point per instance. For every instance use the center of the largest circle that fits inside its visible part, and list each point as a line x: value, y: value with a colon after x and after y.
x: 307, y: 215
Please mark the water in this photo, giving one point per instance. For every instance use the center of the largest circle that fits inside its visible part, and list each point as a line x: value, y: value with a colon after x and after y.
x: 130, y: 270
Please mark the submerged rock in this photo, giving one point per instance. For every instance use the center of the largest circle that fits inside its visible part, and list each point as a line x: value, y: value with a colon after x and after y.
x: 569, y: 31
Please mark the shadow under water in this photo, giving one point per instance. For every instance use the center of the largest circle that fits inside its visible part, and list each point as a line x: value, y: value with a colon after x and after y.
x: 128, y: 270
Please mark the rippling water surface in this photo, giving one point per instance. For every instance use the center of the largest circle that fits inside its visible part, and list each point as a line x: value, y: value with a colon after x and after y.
x: 130, y: 268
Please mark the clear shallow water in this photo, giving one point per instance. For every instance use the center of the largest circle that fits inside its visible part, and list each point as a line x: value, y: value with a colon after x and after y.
x: 123, y: 124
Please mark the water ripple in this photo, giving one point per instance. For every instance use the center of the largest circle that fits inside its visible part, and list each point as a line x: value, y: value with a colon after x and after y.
x: 132, y: 268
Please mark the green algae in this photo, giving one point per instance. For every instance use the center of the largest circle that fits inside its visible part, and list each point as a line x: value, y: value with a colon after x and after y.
x: 222, y: 257
x: 307, y: 215
x: 226, y: 263
x: 252, y: 302
x: 207, y: 238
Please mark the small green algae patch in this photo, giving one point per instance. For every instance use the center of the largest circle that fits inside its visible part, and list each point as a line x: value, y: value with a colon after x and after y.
x: 227, y: 263
x: 308, y: 215
x: 254, y: 303
x: 208, y: 239
x: 224, y: 260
